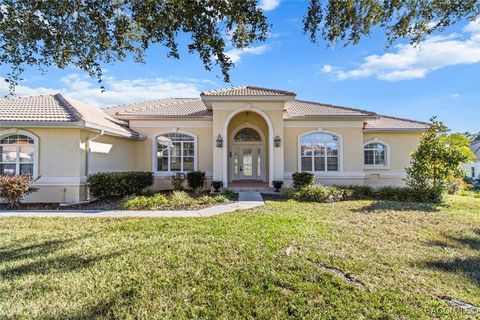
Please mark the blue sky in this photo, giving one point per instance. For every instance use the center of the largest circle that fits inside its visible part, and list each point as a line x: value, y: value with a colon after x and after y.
x: 440, y: 77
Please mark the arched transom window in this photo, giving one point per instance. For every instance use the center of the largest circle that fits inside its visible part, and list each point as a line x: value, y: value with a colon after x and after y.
x: 17, y: 155
x: 247, y: 135
x: 374, y: 154
x: 319, y: 152
x: 175, y: 152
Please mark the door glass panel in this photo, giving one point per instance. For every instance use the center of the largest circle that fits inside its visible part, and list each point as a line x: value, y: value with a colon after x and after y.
x: 259, y: 162
x: 247, y: 162
x: 235, y: 161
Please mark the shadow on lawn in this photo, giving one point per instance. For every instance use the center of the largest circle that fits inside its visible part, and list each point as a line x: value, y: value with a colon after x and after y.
x: 10, y: 253
x: 103, y: 309
x: 399, y: 206
x: 469, y: 266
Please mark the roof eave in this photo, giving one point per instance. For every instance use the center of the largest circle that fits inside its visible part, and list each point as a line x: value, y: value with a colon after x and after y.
x: 150, y: 117
x: 395, y: 129
x: 114, y: 132
x: 366, y: 117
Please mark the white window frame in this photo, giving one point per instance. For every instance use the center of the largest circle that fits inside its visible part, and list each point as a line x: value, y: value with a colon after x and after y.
x: 387, y: 155
x: 9, y: 132
x: 340, y: 153
x: 154, y: 153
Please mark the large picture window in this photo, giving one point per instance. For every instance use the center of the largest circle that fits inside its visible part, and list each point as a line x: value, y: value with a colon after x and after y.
x: 17, y: 155
x: 175, y: 152
x: 319, y: 152
x: 375, y: 154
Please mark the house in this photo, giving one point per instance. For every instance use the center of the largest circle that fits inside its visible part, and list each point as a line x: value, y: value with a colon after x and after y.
x: 473, y: 168
x: 240, y: 135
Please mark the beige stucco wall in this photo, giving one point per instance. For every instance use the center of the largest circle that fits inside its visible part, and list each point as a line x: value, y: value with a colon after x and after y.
x: 152, y: 128
x: 110, y: 153
x: 401, y: 145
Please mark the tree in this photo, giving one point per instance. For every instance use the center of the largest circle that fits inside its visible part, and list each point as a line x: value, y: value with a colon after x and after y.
x: 437, y: 159
x: 88, y: 33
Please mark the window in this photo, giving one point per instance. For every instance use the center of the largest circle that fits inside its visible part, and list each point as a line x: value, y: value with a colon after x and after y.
x: 17, y: 155
x: 374, y: 154
x: 319, y: 152
x: 175, y: 152
x: 247, y: 134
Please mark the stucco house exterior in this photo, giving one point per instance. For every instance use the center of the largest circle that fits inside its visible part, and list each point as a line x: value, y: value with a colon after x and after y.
x: 240, y: 135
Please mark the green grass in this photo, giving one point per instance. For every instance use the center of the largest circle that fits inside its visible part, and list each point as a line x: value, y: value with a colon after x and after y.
x: 235, y: 266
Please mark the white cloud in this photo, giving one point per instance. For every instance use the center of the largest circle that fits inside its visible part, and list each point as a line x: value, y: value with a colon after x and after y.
x: 117, y: 91
x: 455, y: 95
x: 410, y: 62
x: 236, y: 54
x: 268, y: 5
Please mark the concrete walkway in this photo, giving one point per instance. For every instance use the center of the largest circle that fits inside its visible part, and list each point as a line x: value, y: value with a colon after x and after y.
x: 246, y: 200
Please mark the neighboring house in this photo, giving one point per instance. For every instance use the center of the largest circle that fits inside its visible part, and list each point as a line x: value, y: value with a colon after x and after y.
x: 240, y: 135
x: 473, y: 168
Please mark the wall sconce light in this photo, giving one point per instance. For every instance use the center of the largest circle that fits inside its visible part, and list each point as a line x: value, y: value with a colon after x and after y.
x: 219, y: 141
x: 277, y: 141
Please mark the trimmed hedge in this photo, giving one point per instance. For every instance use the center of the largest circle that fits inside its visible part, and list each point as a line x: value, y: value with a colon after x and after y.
x: 196, y: 179
x: 317, y: 193
x: 118, y: 184
x: 302, y: 179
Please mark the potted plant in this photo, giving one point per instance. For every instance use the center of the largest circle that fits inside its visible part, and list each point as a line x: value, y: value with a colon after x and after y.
x: 277, y: 185
x: 217, y: 185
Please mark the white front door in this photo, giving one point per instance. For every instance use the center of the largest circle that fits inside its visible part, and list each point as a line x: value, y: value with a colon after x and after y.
x: 247, y: 162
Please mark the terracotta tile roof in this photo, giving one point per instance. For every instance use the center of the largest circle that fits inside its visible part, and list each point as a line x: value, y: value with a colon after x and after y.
x: 57, y: 110
x: 37, y: 108
x: 165, y: 108
x: 308, y: 109
x: 393, y: 123
x: 247, y: 91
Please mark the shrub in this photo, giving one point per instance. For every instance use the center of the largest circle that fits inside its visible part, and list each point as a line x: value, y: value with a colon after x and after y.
x: 196, y: 179
x: 118, y: 184
x: 177, y: 181
x: 456, y: 184
x: 287, y: 193
x: 359, y: 192
x: 144, y: 202
x: 14, y: 188
x: 302, y: 179
x: 316, y: 193
x: 180, y: 199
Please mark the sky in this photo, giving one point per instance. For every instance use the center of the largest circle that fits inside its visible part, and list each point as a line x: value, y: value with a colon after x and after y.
x: 439, y: 77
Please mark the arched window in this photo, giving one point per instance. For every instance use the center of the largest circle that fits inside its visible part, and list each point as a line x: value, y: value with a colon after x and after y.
x: 247, y: 134
x: 319, y: 152
x: 175, y: 152
x: 17, y: 155
x: 375, y: 154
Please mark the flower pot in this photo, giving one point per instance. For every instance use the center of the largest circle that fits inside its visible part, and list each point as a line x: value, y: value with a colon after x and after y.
x: 277, y: 185
x: 217, y: 185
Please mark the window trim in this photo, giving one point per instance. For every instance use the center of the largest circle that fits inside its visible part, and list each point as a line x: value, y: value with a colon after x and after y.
x: 32, y: 136
x: 387, y: 155
x: 340, y: 152
x: 154, y: 152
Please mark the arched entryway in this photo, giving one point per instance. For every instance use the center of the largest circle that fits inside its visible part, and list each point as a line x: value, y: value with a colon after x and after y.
x: 248, y: 157
x: 247, y: 154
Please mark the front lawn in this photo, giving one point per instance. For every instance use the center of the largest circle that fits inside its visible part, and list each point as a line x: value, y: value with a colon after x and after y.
x: 285, y: 259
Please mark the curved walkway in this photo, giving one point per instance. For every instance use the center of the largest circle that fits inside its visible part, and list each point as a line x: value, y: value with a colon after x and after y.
x: 246, y: 200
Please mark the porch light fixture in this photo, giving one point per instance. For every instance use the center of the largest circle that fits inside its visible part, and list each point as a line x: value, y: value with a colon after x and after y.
x: 277, y: 141
x: 219, y: 141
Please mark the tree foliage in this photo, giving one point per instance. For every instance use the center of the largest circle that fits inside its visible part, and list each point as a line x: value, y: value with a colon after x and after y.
x: 88, y: 33
x: 437, y: 160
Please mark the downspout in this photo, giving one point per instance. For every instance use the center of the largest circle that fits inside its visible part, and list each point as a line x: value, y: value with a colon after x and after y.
x: 88, y: 166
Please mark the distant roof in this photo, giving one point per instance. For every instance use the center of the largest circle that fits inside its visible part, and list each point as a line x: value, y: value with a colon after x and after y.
x: 59, y: 110
x: 308, y: 109
x: 475, y: 147
x: 247, y: 91
x: 165, y: 108
x: 385, y: 123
